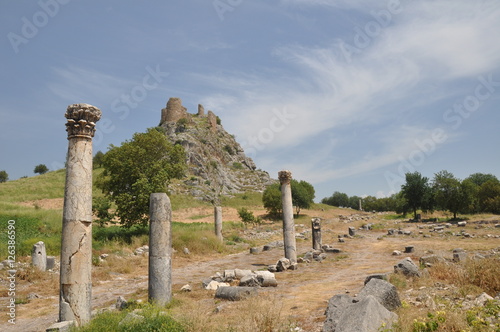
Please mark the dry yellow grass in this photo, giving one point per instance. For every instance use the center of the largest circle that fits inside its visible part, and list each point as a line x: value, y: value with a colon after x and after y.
x: 301, y: 297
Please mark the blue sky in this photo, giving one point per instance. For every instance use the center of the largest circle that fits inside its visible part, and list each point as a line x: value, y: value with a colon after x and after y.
x: 348, y: 95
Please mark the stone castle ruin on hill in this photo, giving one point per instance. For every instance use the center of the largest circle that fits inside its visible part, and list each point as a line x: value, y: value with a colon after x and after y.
x: 217, y: 165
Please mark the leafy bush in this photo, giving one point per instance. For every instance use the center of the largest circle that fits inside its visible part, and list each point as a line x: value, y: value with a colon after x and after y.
x: 247, y: 217
x: 154, y: 320
x: 237, y: 165
x: 229, y: 149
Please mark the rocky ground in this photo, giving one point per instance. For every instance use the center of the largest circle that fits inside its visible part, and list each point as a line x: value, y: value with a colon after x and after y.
x: 303, y: 293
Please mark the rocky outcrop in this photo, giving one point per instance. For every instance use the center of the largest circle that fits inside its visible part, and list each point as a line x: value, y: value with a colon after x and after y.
x: 217, y: 165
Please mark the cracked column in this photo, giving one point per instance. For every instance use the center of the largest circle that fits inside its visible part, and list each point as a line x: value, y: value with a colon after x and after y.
x: 218, y: 222
x: 288, y: 224
x: 160, y: 249
x: 76, y: 239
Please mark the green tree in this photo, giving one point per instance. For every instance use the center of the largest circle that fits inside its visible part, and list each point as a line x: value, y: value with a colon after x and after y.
x: 488, y: 196
x: 271, y: 198
x: 4, y: 177
x: 417, y: 192
x: 449, y: 193
x: 97, y: 160
x: 140, y: 166
x: 480, y: 178
x: 354, y: 202
x: 41, y: 169
x: 400, y: 205
x: 337, y: 199
x: 369, y: 203
x: 302, y: 197
x: 469, y: 196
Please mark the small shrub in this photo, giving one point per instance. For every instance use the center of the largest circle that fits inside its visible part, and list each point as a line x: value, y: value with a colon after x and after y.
x: 247, y: 217
x: 237, y: 165
x: 229, y: 149
x: 154, y: 320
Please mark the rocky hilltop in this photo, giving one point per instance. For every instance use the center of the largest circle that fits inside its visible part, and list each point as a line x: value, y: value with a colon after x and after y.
x: 217, y: 165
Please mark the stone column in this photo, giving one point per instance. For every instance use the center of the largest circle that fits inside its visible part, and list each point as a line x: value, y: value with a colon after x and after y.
x: 218, y: 222
x: 316, y: 233
x: 76, y: 238
x: 39, y: 256
x: 360, y: 205
x: 288, y: 224
x: 160, y: 249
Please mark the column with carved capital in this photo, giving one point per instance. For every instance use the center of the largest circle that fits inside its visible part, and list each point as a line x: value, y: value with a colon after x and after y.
x: 76, y: 242
x: 288, y: 224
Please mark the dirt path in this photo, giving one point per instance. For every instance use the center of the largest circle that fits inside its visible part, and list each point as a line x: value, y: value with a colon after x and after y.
x: 305, y: 291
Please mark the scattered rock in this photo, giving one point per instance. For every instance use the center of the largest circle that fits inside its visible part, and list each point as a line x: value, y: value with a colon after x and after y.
x: 255, y: 250
x: 235, y: 293
x: 239, y: 274
x: 186, y: 288
x: 407, y: 267
x: 482, y: 299
x: 367, y: 315
x: 249, y: 281
x: 383, y: 291
x: 409, y: 249
x: 459, y: 255
x: 283, y: 264
x: 214, y: 285
x: 61, y: 326
x: 381, y: 276
x: 430, y: 260
x: 229, y: 275
x: 272, y: 268
x: 121, y: 303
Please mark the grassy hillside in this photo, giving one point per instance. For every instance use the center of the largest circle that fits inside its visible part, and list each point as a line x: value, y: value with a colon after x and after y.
x: 35, y: 204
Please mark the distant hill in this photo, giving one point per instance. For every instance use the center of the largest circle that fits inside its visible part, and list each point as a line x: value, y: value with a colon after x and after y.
x: 216, y: 162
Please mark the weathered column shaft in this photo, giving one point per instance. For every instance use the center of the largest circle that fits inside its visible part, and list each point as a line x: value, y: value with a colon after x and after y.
x: 160, y: 249
x: 76, y: 237
x: 218, y: 222
x: 288, y: 223
x: 316, y: 233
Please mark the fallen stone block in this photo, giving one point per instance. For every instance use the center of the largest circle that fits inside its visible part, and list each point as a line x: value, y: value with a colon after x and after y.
x: 235, y: 293
x: 61, y: 326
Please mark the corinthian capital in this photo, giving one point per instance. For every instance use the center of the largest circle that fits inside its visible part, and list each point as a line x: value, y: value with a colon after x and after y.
x: 81, y: 120
x: 285, y: 177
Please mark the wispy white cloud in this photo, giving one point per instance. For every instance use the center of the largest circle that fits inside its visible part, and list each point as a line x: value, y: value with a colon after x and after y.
x: 428, y: 43
x: 73, y: 83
